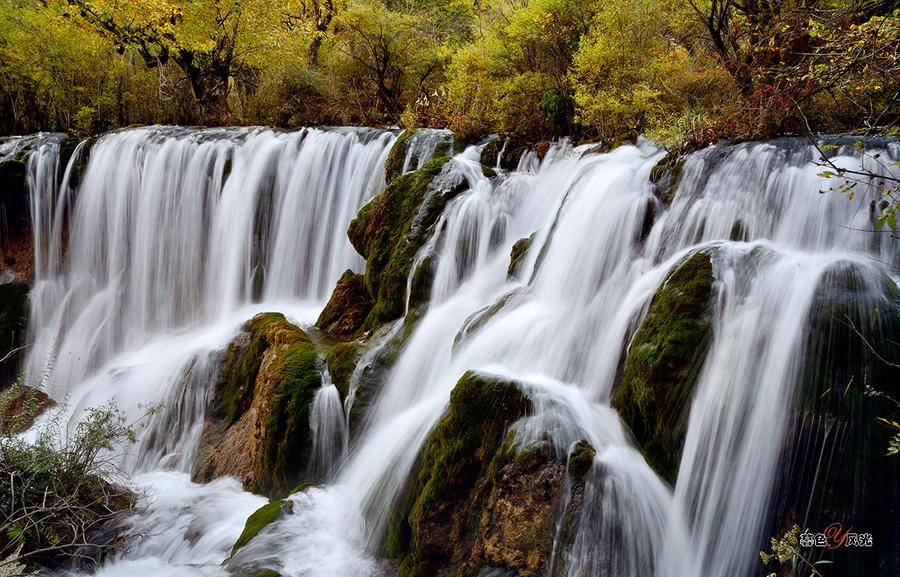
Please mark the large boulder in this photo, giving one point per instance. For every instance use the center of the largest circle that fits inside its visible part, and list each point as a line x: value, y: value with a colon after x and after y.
x: 478, y: 501
x: 257, y: 428
x: 834, y: 464
x: 392, y: 227
x: 663, y: 361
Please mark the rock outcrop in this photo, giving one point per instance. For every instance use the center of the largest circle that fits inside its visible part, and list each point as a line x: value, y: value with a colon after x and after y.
x: 478, y: 501
x: 390, y: 230
x: 664, y: 358
x: 257, y: 427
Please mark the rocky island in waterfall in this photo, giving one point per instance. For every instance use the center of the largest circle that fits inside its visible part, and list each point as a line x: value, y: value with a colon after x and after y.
x: 503, y: 288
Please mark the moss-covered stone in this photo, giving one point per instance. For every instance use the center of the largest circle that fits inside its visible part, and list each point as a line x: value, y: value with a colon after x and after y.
x: 517, y: 255
x: 581, y: 457
x: 393, y: 166
x: 260, y: 519
x: 456, y: 455
x: 390, y: 230
x: 342, y: 359
x: 257, y: 427
x: 666, y: 177
x: 663, y: 360
x: 348, y: 307
x: 285, y: 436
x: 242, y: 360
x: 13, y: 323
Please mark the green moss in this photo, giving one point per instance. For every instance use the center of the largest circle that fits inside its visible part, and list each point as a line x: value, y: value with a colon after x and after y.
x: 342, y: 359
x: 242, y: 360
x: 286, y: 434
x: 260, y: 519
x: 390, y: 230
x: 581, y: 458
x: 348, y: 307
x: 666, y: 176
x: 420, y: 288
x: 517, y: 255
x: 461, y: 450
x: 268, y: 573
x: 662, y: 363
x: 394, y: 163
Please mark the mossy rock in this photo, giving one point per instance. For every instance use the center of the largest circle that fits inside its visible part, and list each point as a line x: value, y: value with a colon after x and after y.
x: 285, y: 442
x: 242, y: 359
x: 341, y: 359
x: 393, y: 166
x: 663, y: 360
x: 348, y: 307
x: 274, y: 366
x: 581, y: 457
x: 666, y: 177
x: 13, y: 324
x: 834, y: 455
x: 455, y: 456
x: 390, y: 230
x: 260, y: 519
x: 517, y: 255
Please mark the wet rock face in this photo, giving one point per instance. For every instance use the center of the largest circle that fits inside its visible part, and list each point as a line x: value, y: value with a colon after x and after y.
x: 391, y: 229
x: 517, y: 521
x: 664, y: 358
x: 834, y: 467
x: 348, y: 307
x: 478, y: 502
x: 257, y: 428
x: 16, y: 244
x: 517, y: 256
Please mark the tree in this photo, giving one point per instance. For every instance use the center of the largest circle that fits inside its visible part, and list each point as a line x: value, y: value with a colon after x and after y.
x: 211, y: 42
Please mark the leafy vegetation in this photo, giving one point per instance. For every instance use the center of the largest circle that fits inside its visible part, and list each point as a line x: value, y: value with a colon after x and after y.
x: 62, y: 492
x: 684, y: 72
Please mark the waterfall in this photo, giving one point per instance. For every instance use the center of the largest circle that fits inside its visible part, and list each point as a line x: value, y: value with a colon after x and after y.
x: 176, y: 236
x: 175, y: 228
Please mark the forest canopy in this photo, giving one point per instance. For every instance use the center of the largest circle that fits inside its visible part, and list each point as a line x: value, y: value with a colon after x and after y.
x: 680, y: 71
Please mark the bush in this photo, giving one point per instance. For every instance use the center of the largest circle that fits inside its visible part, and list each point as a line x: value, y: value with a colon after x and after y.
x: 61, y: 494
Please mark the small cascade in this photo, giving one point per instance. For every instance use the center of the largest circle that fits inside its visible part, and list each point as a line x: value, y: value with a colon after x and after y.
x: 421, y: 147
x: 330, y: 434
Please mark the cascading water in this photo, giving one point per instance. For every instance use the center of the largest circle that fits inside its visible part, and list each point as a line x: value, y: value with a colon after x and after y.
x: 201, y: 229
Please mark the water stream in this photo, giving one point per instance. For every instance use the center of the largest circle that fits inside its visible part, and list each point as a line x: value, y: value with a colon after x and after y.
x: 176, y: 237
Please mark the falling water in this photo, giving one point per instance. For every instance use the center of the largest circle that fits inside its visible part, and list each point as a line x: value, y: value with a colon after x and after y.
x: 202, y: 228
x: 328, y: 425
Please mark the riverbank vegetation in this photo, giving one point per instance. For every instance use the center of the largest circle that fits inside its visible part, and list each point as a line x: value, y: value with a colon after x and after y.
x: 683, y: 72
